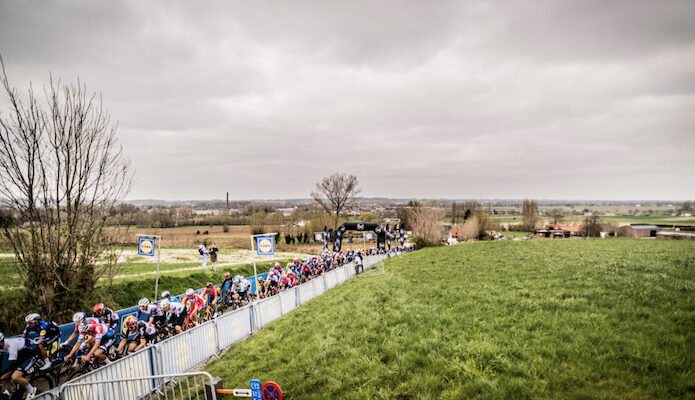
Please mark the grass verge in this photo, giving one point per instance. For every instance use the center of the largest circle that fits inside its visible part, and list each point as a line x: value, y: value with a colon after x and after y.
x: 570, y: 319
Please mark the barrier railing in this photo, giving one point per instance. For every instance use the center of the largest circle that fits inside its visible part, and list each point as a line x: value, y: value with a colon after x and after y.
x: 181, y: 353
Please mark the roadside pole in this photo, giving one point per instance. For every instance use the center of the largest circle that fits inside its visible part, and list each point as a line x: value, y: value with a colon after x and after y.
x: 159, y: 255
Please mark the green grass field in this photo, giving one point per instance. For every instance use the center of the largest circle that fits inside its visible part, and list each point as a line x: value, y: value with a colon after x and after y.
x: 566, y: 319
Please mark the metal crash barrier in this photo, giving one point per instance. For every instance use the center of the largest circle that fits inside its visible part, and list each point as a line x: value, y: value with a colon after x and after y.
x: 160, y: 371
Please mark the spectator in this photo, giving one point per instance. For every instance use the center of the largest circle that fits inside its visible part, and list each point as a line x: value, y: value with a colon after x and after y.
x: 213, y: 255
x: 204, y: 253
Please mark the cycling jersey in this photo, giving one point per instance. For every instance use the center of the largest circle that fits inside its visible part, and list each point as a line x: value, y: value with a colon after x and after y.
x: 194, y: 302
x: 210, y: 294
x: 110, y: 318
x: 242, y: 286
x: 145, y: 330
x: 101, y: 331
x: 176, y: 309
x: 46, y: 330
x: 152, y: 310
x: 21, y: 355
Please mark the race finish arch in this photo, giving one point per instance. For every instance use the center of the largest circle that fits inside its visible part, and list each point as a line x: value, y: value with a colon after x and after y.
x: 361, y: 227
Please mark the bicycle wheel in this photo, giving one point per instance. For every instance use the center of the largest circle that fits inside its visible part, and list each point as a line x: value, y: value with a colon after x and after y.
x: 42, y: 382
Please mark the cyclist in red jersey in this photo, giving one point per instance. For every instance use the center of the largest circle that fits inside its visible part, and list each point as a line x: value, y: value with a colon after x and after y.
x: 194, y: 303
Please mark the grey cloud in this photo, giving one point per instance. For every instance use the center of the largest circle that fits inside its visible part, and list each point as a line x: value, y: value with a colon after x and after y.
x: 477, y: 99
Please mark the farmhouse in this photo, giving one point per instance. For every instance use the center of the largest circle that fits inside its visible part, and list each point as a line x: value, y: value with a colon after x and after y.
x: 557, y: 231
x: 639, y: 231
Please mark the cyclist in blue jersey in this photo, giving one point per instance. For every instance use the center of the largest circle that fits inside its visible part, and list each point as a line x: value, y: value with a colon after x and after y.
x: 48, y: 332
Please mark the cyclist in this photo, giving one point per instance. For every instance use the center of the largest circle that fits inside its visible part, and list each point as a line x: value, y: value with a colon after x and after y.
x: 145, y: 333
x: 306, y: 272
x: 292, y: 277
x: 194, y: 303
x: 104, y: 337
x: 262, y: 288
x: 273, y: 284
x: 77, y: 318
x: 177, y: 314
x: 211, y: 294
x: 241, y: 287
x: 48, y: 332
x: 110, y: 318
x: 152, y: 312
x: 226, y: 287
x: 22, y: 354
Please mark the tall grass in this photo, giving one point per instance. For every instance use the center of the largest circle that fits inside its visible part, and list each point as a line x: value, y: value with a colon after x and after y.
x: 570, y: 319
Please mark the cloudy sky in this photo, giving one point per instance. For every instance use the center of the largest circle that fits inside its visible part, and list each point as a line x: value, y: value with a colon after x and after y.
x: 508, y: 99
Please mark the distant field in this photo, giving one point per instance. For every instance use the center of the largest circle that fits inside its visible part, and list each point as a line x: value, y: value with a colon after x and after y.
x: 572, y: 319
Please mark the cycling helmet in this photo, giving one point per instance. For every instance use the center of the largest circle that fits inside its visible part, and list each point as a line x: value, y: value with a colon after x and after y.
x: 209, y: 284
x: 227, y: 275
x: 235, y: 281
x: 130, y: 322
x: 277, y: 264
x: 166, y: 294
x: 189, y: 292
x: 144, y: 302
x: 98, y: 308
x: 78, y: 316
x: 32, y: 317
x: 260, y: 279
x: 83, y: 326
x: 164, y: 304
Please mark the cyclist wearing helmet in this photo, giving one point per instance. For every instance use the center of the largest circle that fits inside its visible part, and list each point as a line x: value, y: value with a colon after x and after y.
x: 48, y: 332
x: 77, y: 318
x: 262, y: 288
x: 241, y: 287
x: 145, y: 333
x: 177, y: 314
x: 107, y: 315
x: 22, y: 354
x: 104, y: 337
x: 193, y: 303
x: 211, y: 293
x: 152, y: 313
x: 226, y: 287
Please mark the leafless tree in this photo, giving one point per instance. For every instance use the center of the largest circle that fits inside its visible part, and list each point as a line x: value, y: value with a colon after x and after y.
x: 61, y: 171
x: 335, y: 193
x: 426, y: 223
x: 556, y: 215
x: 529, y: 211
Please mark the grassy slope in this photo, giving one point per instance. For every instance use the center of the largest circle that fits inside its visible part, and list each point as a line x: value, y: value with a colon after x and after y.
x: 568, y: 319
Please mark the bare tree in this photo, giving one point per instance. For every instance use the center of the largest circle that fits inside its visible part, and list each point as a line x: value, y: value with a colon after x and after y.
x: 529, y: 211
x: 556, y: 215
x: 61, y: 172
x: 426, y: 224
x: 335, y: 193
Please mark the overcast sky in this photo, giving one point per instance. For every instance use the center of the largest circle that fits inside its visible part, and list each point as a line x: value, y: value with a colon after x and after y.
x: 547, y: 99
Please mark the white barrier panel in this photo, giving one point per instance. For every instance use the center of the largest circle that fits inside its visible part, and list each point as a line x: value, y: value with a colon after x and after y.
x: 135, y: 365
x: 288, y: 298
x: 233, y: 326
x: 306, y: 292
x: 186, y: 350
x: 269, y: 309
x: 339, y: 275
x: 319, y: 286
x: 329, y: 278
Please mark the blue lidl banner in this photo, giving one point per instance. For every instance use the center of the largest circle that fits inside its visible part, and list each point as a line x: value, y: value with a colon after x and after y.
x: 146, y: 246
x: 265, y: 245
